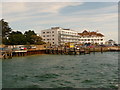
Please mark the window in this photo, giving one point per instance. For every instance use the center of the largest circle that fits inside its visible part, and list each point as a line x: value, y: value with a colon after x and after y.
x: 47, y: 39
x: 52, y: 31
x: 47, y: 32
x: 43, y: 32
x: 101, y: 39
x: 53, y: 39
x: 53, y: 35
x: 88, y: 39
x: 53, y: 42
x: 47, y: 35
x: 43, y: 35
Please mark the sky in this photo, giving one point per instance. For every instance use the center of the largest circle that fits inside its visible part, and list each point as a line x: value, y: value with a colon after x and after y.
x: 78, y: 16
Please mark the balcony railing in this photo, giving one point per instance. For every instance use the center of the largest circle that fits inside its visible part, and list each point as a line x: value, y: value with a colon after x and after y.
x: 70, y: 35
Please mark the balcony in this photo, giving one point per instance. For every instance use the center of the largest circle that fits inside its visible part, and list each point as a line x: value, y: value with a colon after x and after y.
x: 69, y: 35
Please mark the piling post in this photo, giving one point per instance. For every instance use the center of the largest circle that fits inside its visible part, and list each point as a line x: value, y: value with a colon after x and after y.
x: 74, y: 51
x: 68, y: 51
x: 61, y: 50
x: 84, y: 51
x: 79, y: 51
x: 89, y: 50
x: 94, y: 50
x: 101, y: 50
x: 64, y: 49
x: 57, y: 50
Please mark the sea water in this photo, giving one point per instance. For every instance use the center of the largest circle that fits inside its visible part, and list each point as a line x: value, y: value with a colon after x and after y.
x: 95, y: 70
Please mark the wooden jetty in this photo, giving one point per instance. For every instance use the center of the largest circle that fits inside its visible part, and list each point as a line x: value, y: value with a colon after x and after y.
x: 68, y: 51
x: 114, y: 48
x: 57, y: 51
x: 6, y: 54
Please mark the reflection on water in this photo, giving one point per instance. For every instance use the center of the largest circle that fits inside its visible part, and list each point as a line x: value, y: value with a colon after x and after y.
x: 79, y: 71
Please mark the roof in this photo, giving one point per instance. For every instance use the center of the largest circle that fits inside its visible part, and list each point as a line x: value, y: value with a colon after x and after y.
x: 110, y: 40
x: 55, y: 27
x: 59, y: 28
x: 86, y: 33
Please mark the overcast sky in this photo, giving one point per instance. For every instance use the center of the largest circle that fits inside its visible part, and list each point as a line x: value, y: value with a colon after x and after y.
x: 93, y: 16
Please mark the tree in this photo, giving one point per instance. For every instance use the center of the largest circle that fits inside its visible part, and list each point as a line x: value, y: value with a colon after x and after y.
x: 16, y: 38
x: 37, y: 40
x: 28, y: 35
x: 0, y: 39
x: 5, y: 28
x: 4, y: 31
x: 10, y: 37
x: 5, y: 41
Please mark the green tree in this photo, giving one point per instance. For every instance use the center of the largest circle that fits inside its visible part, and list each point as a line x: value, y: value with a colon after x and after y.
x: 0, y: 32
x: 29, y: 38
x: 16, y: 38
x: 5, y: 28
x: 37, y: 40
x: 5, y: 41
x: 10, y: 37
x: 4, y: 31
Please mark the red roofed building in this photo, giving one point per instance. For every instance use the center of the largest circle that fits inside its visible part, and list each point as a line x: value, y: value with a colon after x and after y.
x: 91, y: 37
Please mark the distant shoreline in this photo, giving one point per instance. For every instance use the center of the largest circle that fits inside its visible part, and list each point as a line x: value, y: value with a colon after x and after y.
x: 55, y: 51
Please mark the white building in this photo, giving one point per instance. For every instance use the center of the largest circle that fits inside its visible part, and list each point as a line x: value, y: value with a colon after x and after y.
x: 59, y: 36
x: 110, y: 42
x: 91, y: 37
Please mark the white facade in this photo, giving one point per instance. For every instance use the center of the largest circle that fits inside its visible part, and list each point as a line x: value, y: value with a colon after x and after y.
x: 110, y: 42
x: 91, y: 37
x: 59, y: 36
x: 93, y: 40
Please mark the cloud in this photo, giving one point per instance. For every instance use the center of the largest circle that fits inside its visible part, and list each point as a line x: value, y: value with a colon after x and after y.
x: 9, y: 8
x: 20, y: 11
x: 0, y: 10
x: 50, y: 7
x: 42, y: 1
x: 95, y: 11
x: 38, y: 16
x: 26, y: 11
x: 61, y: 1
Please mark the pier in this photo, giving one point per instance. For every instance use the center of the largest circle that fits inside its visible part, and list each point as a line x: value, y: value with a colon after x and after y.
x: 8, y: 54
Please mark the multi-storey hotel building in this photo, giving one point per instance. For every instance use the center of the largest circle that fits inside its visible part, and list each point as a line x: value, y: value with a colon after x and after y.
x: 91, y: 37
x: 59, y: 36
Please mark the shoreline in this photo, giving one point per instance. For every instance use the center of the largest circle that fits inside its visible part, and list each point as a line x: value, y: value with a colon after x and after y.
x: 54, y: 51
x: 55, y: 54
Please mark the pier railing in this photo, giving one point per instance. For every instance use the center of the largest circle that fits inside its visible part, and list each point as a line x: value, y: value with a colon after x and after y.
x: 56, y: 50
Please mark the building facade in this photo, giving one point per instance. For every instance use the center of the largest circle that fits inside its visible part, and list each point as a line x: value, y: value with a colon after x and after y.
x: 59, y: 36
x: 110, y: 42
x: 91, y: 37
